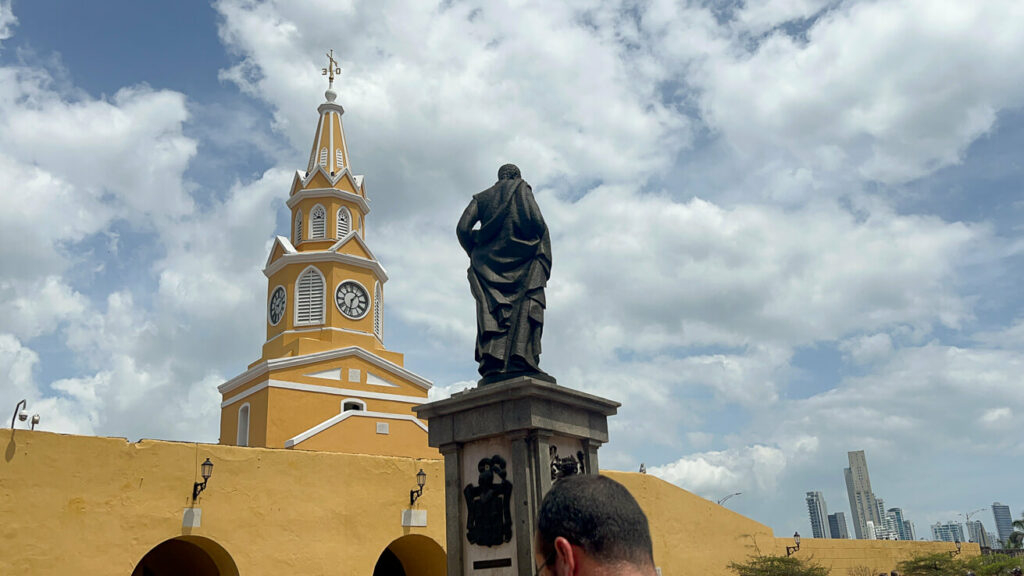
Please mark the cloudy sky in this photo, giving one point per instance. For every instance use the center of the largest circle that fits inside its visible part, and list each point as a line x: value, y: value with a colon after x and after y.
x: 782, y: 229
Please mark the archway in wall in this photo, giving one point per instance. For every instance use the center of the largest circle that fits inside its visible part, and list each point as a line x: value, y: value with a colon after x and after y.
x: 412, y: 555
x: 193, y: 555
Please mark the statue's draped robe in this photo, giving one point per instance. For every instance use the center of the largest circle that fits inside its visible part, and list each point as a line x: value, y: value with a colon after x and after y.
x: 510, y: 262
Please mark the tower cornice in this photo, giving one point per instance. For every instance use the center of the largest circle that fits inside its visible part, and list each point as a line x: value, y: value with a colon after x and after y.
x: 327, y: 257
x: 301, y: 195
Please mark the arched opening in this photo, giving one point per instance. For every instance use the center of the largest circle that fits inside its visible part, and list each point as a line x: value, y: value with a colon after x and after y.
x: 193, y: 555
x: 412, y: 555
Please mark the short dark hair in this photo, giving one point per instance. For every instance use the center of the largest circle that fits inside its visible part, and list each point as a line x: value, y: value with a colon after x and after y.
x: 600, y: 516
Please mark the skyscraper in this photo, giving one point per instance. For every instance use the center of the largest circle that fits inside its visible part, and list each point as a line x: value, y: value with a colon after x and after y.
x: 837, y: 525
x: 1004, y: 523
x: 862, y: 500
x: 908, y: 528
x: 818, y: 512
x: 898, y: 523
x: 976, y: 532
x: 948, y: 532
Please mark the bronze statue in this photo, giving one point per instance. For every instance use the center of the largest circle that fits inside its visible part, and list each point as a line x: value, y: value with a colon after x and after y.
x: 510, y: 262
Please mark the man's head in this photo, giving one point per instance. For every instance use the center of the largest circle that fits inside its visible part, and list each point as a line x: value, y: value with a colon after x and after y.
x: 509, y: 172
x: 589, y: 521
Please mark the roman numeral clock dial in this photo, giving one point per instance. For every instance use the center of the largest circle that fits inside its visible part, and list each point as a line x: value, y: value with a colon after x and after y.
x: 352, y: 299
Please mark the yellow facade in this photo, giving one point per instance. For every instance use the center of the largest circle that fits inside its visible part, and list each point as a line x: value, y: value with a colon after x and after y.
x: 98, y: 506
x: 324, y: 315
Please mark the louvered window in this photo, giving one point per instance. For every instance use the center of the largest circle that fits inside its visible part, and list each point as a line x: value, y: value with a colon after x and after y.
x: 298, y: 227
x: 344, y: 222
x: 309, y: 305
x: 323, y: 157
x: 339, y: 159
x: 378, y: 302
x: 317, y: 223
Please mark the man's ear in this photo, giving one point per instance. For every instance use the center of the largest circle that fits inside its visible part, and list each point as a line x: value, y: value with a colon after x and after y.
x: 565, y: 560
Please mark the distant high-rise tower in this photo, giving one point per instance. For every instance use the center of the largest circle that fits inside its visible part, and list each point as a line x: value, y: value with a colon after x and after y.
x: 1004, y: 523
x: 908, y: 528
x: 948, y: 532
x: 837, y: 525
x: 818, y: 512
x: 894, y: 516
x: 976, y: 532
x: 862, y: 500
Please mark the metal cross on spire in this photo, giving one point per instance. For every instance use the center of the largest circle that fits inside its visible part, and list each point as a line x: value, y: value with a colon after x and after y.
x: 331, y: 70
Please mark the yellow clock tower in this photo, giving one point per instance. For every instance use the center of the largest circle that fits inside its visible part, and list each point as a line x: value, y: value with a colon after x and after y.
x: 325, y: 380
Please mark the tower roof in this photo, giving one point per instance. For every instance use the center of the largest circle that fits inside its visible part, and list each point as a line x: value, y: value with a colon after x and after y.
x: 329, y: 151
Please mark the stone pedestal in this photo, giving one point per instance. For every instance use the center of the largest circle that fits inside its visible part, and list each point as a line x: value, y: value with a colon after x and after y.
x: 502, y: 444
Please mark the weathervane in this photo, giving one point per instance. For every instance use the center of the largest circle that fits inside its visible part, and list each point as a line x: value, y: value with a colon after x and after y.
x: 331, y: 70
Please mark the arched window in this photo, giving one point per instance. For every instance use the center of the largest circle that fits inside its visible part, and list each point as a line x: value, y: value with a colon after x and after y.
x: 344, y: 222
x: 339, y: 159
x: 243, y: 426
x: 309, y: 302
x: 352, y: 404
x: 317, y: 223
x: 378, y: 302
x: 298, y: 227
x: 323, y: 157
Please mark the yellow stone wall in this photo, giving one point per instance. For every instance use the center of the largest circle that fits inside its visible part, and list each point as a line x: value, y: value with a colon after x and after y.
x: 95, y: 506
x: 696, y: 536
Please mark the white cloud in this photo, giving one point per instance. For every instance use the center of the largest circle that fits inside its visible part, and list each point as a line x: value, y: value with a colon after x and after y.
x: 891, y: 90
x: 7, y: 20
x: 868, y: 349
x: 998, y: 418
x: 754, y: 468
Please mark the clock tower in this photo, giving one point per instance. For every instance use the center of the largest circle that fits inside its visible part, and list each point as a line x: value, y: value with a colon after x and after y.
x: 325, y: 381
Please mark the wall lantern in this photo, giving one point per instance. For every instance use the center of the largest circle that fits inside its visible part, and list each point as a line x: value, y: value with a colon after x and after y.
x: 20, y: 414
x: 791, y: 549
x: 956, y: 552
x: 200, y: 486
x: 421, y: 479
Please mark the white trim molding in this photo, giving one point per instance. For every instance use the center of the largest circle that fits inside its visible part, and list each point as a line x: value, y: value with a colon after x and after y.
x: 299, y: 183
x: 315, y: 257
x: 348, y: 238
x: 285, y: 385
x: 238, y: 424
x: 356, y: 199
x: 349, y: 351
x: 292, y: 442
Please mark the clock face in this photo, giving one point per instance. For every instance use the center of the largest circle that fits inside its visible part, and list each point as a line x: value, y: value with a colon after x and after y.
x: 275, y: 310
x: 352, y: 299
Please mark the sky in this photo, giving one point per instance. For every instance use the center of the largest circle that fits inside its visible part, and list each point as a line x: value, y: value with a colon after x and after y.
x: 782, y: 229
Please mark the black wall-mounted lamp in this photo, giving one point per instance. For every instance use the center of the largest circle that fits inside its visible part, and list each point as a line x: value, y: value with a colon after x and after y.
x: 956, y: 552
x: 19, y: 412
x: 421, y: 479
x: 791, y: 549
x: 200, y: 486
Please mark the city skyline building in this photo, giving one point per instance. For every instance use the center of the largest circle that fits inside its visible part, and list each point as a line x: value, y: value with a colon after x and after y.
x: 898, y: 524
x: 837, y: 525
x: 976, y: 532
x: 908, y: 528
x: 818, y: 512
x: 1003, y: 520
x: 863, y: 504
x: 948, y: 532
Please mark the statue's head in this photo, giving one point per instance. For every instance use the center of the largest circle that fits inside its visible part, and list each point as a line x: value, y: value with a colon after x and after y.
x: 508, y: 172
